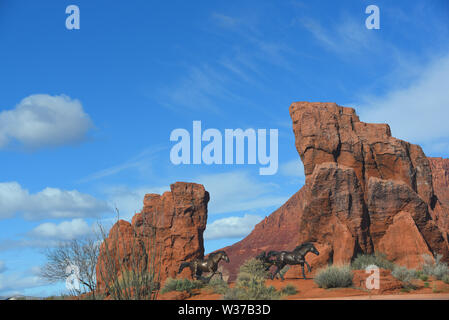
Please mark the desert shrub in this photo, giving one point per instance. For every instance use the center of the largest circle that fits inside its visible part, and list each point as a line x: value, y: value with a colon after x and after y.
x: 378, y: 259
x: 426, y: 284
x: 437, y: 268
x: 405, y: 276
x: 445, y: 278
x: 218, y: 285
x: 181, y: 285
x: 250, y: 284
x: 424, y: 277
x: 289, y: 290
x: 334, y: 277
x: 254, y: 267
x: 252, y: 292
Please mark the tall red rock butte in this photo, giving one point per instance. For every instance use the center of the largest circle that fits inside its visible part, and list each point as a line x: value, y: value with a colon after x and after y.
x: 172, y: 223
x: 365, y: 192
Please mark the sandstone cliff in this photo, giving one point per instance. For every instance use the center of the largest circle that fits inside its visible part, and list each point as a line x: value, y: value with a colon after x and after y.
x: 170, y: 225
x: 365, y: 191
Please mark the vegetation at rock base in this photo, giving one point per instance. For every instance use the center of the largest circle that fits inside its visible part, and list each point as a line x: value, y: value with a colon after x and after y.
x: 378, y: 259
x: 250, y: 284
x: 130, y: 271
x: 181, y: 285
x: 334, y: 277
x: 405, y: 276
x: 446, y: 279
x: 434, y: 266
x: 218, y: 285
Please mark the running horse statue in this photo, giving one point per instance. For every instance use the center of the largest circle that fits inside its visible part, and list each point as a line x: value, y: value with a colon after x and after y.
x: 198, y: 266
x: 282, y: 258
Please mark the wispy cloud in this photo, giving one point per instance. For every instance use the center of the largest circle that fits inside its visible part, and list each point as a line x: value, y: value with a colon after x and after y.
x: 211, y: 85
x: 293, y: 168
x: 238, y: 191
x: 344, y: 36
x: 231, y: 227
x: 417, y: 112
x: 142, y: 160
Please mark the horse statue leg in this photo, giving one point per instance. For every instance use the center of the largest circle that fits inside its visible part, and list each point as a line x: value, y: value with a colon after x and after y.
x: 279, y: 268
x: 302, y: 268
x: 308, y: 266
x: 196, y: 272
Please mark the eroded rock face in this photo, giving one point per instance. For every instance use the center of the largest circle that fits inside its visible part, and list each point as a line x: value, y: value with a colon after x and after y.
x: 440, y: 175
x: 170, y: 225
x: 365, y: 191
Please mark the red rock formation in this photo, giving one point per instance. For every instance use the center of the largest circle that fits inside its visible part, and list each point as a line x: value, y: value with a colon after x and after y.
x: 440, y: 175
x: 365, y: 191
x: 173, y: 224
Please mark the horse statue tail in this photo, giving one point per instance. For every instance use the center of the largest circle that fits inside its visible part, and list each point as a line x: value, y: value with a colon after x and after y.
x: 182, y: 266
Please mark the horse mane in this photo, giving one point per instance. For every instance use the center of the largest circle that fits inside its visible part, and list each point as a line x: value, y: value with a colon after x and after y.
x: 303, y: 245
x: 213, y: 254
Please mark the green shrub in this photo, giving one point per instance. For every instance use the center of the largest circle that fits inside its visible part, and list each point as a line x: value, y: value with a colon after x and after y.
x: 403, y: 274
x: 181, y: 285
x: 437, y: 268
x: 250, y: 284
x: 424, y: 277
x: 257, y: 292
x: 445, y: 279
x: 426, y: 284
x: 334, y: 277
x: 289, y: 290
x: 379, y: 259
x: 254, y: 267
x: 218, y: 285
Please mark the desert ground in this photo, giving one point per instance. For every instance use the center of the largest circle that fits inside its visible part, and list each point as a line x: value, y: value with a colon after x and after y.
x: 309, y: 290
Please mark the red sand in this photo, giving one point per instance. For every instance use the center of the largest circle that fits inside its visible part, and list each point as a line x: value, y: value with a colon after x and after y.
x: 308, y: 289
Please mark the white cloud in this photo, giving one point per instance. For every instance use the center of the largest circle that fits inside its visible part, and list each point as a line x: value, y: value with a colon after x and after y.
x: 2, y: 266
x: 238, y: 191
x: 231, y: 227
x: 14, y: 283
x: 48, y: 203
x: 418, y: 113
x: 42, y: 120
x: 293, y: 168
x: 66, y: 230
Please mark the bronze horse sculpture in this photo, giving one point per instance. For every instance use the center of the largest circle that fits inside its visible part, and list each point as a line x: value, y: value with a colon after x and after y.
x: 282, y: 258
x: 198, y: 266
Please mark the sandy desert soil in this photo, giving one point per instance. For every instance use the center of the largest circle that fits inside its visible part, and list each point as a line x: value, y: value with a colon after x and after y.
x: 308, y: 289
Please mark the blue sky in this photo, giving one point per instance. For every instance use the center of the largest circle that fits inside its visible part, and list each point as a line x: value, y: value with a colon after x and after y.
x: 86, y: 115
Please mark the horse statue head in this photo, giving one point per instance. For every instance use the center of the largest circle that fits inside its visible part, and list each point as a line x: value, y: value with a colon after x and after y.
x: 306, y: 247
x: 217, y: 256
